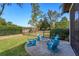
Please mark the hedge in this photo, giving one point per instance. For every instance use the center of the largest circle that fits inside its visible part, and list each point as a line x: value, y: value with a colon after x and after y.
x: 63, y: 33
x: 8, y: 30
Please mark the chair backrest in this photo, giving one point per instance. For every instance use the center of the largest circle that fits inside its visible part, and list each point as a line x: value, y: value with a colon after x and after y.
x: 38, y: 37
x: 56, y: 37
x: 56, y: 40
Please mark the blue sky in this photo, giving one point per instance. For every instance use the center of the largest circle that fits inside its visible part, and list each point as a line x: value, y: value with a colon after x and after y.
x: 21, y: 16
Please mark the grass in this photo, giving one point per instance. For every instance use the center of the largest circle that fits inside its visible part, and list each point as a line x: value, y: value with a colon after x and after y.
x: 13, y: 46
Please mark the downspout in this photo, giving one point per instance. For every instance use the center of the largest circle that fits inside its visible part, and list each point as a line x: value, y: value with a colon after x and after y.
x: 69, y: 23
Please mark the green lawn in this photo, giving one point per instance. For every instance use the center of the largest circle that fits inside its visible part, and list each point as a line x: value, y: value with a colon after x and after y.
x: 13, y: 46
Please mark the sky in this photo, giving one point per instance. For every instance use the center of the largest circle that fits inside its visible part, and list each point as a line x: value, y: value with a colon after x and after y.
x: 21, y: 16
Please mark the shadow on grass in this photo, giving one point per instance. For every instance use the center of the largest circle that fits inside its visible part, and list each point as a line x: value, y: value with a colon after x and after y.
x: 16, y: 51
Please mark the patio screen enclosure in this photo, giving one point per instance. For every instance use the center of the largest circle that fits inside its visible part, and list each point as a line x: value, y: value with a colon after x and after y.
x: 74, y: 28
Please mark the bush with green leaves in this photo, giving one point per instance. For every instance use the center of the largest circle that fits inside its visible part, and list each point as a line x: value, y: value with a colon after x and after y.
x: 8, y: 30
x: 63, y: 33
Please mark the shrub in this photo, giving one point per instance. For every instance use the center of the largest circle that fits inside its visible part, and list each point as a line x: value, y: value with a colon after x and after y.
x: 8, y: 30
x: 63, y: 33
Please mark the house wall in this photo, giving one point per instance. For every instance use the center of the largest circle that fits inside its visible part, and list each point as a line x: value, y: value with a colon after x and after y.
x: 74, y: 29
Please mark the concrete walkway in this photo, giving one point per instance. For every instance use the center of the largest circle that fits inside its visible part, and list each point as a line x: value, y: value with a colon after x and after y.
x: 64, y: 49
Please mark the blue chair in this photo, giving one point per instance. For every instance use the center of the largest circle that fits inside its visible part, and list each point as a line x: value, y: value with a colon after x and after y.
x: 53, y: 37
x: 31, y: 43
x: 38, y: 37
x: 53, y: 43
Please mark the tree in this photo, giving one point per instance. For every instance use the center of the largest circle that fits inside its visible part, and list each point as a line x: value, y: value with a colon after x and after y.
x: 35, y: 13
x: 53, y: 17
x: 2, y: 21
x: 44, y: 25
x: 2, y: 6
x: 31, y: 22
x: 9, y: 23
x: 64, y: 19
x: 63, y: 24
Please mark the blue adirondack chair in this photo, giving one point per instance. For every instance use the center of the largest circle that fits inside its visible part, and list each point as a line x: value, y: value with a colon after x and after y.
x: 31, y: 42
x: 53, y: 37
x: 53, y: 43
x: 38, y: 37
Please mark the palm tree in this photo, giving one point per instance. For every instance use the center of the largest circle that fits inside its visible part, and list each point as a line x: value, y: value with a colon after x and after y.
x: 53, y: 17
x: 36, y: 14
